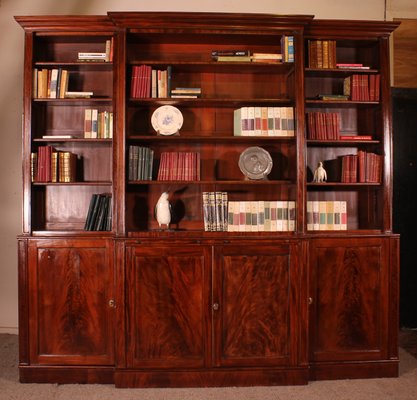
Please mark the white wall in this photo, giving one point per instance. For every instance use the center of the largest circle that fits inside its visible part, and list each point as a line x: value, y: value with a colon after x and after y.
x: 11, y: 68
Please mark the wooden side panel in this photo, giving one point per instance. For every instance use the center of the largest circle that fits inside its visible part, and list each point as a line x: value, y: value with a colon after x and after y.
x: 71, y: 285
x: 252, y: 305
x: 167, y: 299
x: 349, y: 287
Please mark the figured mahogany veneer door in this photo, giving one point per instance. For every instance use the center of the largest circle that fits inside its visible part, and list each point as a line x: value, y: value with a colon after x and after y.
x: 349, y: 310
x: 167, y: 299
x: 255, y: 305
x: 71, y: 309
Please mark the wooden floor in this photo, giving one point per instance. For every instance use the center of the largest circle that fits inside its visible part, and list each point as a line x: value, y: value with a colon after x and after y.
x: 408, y: 341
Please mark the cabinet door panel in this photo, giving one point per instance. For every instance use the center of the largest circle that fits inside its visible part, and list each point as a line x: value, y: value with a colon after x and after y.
x: 348, y: 286
x: 254, y: 305
x: 167, y: 299
x: 71, y: 284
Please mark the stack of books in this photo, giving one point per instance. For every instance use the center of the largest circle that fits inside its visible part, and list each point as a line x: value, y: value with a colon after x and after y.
x: 147, y: 82
x: 263, y: 121
x: 326, y: 215
x: 98, y: 124
x: 362, y: 87
x: 105, y: 56
x: 322, y: 53
x: 186, y: 92
x: 140, y: 163
x: 179, y: 166
x: 323, y: 125
x: 215, y: 211
x: 363, y: 167
x: 99, y: 216
x: 50, y: 165
x: 261, y: 216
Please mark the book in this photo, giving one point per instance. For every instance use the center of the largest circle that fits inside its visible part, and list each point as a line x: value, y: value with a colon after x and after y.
x: 233, y: 58
x: 237, y: 52
x: 57, y: 136
x: 355, y: 137
x: 74, y: 94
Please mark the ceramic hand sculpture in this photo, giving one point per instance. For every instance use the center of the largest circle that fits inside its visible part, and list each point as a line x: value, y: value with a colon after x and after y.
x: 320, y: 174
x: 163, y: 210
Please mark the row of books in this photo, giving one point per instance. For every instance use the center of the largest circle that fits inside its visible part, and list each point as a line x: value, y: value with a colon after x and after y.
x: 49, y: 165
x: 362, y: 87
x: 245, y: 56
x: 261, y: 216
x: 147, y: 82
x: 98, y: 124
x: 263, y: 121
x: 140, y: 163
x: 363, y: 167
x: 326, y: 215
x: 99, y: 216
x: 53, y: 84
x: 323, y: 125
x: 50, y: 83
x: 106, y: 56
x: 179, y: 166
x: 215, y: 211
x: 322, y: 53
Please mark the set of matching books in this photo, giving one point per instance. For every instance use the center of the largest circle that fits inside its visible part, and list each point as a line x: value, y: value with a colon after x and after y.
x: 263, y: 121
x: 261, y: 216
x: 140, y: 163
x: 98, y: 124
x: 362, y: 87
x: 323, y: 125
x: 106, y: 56
x: 50, y: 83
x: 179, y: 166
x: 49, y: 165
x: 326, y: 215
x: 147, y: 82
x: 322, y: 53
x: 99, y: 216
x: 215, y: 211
x: 363, y: 167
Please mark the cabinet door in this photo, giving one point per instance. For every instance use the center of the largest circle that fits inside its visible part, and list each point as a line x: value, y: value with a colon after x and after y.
x: 167, y: 299
x: 349, y: 294
x: 256, y: 308
x: 70, y: 302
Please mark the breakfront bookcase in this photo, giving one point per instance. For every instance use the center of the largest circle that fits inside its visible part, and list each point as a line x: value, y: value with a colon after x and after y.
x: 140, y: 306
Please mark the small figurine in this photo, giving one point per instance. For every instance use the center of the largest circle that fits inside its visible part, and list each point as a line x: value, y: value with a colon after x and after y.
x: 163, y: 210
x: 320, y: 174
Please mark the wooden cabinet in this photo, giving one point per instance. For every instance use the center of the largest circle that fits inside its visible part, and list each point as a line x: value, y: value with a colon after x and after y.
x: 351, y: 319
x: 168, y: 297
x: 70, y: 289
x: 256, y: 301
x: 221, y: 296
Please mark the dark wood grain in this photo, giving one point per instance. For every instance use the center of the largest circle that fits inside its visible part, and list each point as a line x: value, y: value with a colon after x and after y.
x: 167, y: 303
x: 70, y: 288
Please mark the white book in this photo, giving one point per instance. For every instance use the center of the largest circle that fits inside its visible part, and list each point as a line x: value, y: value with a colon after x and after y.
x: 242, y: 216
x: 291, y: 215
x: 274, y: 211
x: 258, y: 122
x: 94, y: 123
x: 251, y: 121
x: 240, y: 122
x: 290, y: 121
x: 267, y: 216
x: 343, y: 215
x: 309, y: 215
x: 230, y: 216
x: 280, y: 216
x: 254, y: 210
x: 316, y: 215
x: 277, y: 121
x: 337, y: 215
x: 261, y: 216
x: 53, y: 83
x: 270, y: 114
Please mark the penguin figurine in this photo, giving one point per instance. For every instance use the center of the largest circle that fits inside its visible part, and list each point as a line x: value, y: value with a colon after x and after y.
x: 320, y: 174
x: 163, y: 210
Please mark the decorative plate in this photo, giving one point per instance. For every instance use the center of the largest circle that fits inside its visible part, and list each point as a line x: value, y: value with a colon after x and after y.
x: 167, y: 120
x: 255, y: 163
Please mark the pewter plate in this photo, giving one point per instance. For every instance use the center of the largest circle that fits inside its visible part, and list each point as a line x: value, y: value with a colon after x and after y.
x: 255, y: 163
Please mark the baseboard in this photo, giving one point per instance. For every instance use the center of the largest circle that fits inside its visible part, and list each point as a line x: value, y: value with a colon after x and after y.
x: 9, y: 329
